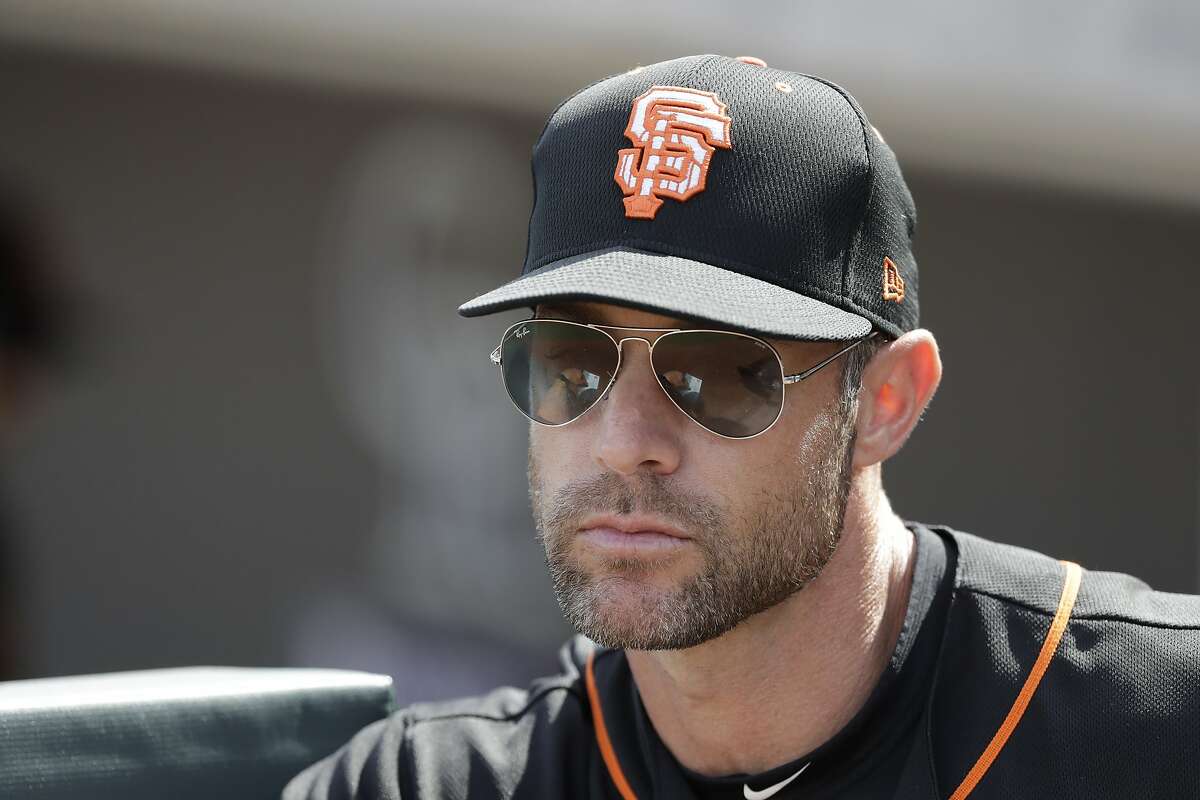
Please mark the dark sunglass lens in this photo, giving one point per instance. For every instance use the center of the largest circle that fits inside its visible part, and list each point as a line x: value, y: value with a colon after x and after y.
x: 730, y: 384
x: 555, y: 371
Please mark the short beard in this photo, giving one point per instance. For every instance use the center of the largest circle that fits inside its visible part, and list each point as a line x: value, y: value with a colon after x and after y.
x: 750, y: 563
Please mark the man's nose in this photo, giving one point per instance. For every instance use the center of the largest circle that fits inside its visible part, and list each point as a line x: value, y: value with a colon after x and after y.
x: 639, y: 427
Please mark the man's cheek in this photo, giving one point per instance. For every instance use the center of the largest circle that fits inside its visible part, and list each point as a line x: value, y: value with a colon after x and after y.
x: 561, y: 459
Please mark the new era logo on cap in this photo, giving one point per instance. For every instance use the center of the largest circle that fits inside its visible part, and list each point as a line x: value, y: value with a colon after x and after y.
x: 893, y: 284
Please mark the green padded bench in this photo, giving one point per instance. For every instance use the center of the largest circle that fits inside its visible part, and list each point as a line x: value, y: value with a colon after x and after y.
x: 195, y: 732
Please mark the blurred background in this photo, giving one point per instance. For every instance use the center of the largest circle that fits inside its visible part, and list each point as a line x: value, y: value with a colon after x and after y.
x: 242, y: 424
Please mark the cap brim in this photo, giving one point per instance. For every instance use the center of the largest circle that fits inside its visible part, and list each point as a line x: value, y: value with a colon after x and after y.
x: 678, y: 287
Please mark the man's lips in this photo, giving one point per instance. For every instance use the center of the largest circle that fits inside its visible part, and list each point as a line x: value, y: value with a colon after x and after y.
x: 632, y: 524
x: 631, y: 535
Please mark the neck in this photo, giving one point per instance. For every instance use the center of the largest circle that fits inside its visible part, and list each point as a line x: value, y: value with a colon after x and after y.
x: 785, y: 681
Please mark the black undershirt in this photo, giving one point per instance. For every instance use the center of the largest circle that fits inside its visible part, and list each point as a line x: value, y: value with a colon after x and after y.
x: 865, y: 758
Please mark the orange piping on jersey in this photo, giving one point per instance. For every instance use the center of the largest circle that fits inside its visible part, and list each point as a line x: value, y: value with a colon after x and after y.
x: 1059, y: 624
x: 606, y: 751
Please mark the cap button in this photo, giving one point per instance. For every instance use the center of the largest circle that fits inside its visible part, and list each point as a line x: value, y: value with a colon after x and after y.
x: 753, y: 61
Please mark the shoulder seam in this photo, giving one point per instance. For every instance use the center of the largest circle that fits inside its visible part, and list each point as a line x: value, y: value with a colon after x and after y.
x: 534, y: 700
x: 1083, y: 617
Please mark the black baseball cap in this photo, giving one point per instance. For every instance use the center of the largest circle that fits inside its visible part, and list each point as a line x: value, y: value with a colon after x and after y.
x: 725, y: 191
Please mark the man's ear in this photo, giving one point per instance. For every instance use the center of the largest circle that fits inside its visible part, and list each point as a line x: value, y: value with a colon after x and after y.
x: 897, y: 386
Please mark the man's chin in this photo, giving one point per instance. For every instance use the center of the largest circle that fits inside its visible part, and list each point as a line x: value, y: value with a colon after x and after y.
x: 626, y: 612
x: 629, y: 593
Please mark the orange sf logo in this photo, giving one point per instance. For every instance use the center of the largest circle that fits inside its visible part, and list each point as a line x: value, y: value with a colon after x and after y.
x: 674, y: 131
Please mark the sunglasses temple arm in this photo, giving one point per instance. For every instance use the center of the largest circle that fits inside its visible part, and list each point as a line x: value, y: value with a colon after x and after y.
x: 802, y: 375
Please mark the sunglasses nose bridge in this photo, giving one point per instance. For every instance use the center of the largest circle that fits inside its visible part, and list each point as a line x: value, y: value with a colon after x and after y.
x: 620, y: 342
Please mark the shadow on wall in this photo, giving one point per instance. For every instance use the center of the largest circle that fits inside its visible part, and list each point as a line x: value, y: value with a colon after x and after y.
x: 456, y: 598
x: 31, y: 339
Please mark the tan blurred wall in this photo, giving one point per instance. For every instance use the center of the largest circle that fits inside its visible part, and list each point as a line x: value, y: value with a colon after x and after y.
x: 193, y: 480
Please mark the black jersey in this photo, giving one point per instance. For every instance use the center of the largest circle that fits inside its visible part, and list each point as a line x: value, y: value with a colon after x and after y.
x: 867, y: 757
x: 1114, y: 711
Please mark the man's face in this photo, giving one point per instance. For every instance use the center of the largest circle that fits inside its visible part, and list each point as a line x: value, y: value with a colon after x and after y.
x: 662, y: 535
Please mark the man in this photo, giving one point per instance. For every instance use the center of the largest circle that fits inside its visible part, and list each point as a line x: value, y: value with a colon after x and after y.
x: 723, y: 353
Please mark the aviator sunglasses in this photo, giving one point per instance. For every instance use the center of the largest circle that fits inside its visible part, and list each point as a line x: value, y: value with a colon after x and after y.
x: 731, y: 384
